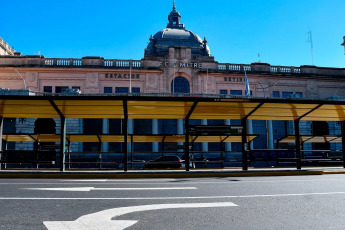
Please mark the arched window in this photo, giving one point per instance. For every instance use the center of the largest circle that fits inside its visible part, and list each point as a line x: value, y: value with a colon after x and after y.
x: 180, y: 85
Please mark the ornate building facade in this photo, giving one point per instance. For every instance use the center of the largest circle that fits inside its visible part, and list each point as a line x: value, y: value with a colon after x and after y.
x: 176, y: 62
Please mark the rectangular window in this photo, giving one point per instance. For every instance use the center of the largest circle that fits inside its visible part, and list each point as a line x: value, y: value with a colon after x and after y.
x: 61, y: 89
x: 48, y: 89
x: 108, y: 90
x: 236, y: 92
x: 287, y: 94
x: 135, y: 90
x: 298, y: 95
x: 121, y: 90
x: 223, y: 91
x: 275, y: 94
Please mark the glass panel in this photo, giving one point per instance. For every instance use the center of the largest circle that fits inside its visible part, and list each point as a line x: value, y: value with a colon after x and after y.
x: 180, y: 85
x: 287, y: 94
x: 61, y: 89
x: 276, y: 94
x: 121, y: 90
x: 108, y: 90
x: 236, y: 92
x: 48, y: 89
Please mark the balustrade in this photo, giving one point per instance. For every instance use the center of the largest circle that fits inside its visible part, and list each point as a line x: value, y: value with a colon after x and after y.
x: 221, y: 67
x: 126, y: 64
x: 247, y: 68
x: 234, y: 67
x: 122, y: 64
x: 49, y: 62
x: 108, y: 63
x: 285, y: 69
x: 63, y: 62
x: 136, y: 64
x: 77, y: 62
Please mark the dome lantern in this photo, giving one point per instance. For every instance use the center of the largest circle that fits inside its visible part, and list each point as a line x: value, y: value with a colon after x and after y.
x: 176, y: 35
x: 174, y: 19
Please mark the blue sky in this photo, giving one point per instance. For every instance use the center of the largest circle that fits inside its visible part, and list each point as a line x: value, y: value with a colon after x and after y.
x: 237, y: 31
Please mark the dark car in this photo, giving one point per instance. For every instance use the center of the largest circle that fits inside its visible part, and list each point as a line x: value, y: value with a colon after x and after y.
x: 165, y: 162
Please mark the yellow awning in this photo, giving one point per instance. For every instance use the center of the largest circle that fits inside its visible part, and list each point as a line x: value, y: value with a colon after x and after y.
x: 169, y: 108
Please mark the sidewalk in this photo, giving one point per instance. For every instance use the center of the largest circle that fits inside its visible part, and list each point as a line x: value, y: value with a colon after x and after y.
x: 226, y: 172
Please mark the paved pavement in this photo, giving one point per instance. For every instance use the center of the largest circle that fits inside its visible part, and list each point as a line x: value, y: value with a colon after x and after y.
x: 220, y: 203
x: 226, y: 172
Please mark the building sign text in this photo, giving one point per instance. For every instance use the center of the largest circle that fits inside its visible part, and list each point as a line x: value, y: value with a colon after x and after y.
x: 111, y: 75
x: 193, y: 65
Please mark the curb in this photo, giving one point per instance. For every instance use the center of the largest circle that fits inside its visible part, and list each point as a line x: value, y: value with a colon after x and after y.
x: 118, y: 175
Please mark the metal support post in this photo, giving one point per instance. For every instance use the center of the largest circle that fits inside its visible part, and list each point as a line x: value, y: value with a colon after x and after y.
x: 244, y: 145
x: 100, y: 147
x: 186, y: 154
x: 298, y: 145
x: 125, y: 133
x: 343, y: 140
x: 63, y: 135
x: 63, y: 144
x: 132, y: 146
x: 186, y: 142
x: 1, y: 131
x: 69, y: 153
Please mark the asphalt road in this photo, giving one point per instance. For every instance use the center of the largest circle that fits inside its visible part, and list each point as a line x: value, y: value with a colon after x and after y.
x: 299, y: 202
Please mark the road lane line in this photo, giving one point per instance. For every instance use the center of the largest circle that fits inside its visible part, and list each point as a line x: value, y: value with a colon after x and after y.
x: 88, y: 189
x: 117, y: 180
x: 173, y: 198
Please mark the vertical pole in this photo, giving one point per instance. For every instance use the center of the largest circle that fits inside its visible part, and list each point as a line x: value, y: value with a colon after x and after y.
x: 105, y: 129
x: 186, y: 142
x: 343, y: 140
x: 155, y: 131
x: 63, y: 144
x: 1, y: 131
x: 204, y: 145
x: 132, y: 150
x: 100, y: 146
x: 69, y: 154
x: 298, y: 145
x: 270, y: 143
x: 125, y: 133
x: 227, y: 144
x: 244, y: 144
x: 222, y: 154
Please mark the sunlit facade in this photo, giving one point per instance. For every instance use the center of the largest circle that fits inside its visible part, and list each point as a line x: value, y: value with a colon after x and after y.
x: 176, y: 62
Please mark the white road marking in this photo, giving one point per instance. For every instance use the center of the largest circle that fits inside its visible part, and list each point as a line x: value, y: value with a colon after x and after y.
x: 174, y: 198
x: 88, y: 189
x: 119, y: 180
x: 102, y: 220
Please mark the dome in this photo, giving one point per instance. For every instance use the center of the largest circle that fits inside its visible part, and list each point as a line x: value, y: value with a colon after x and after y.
x: 175, y: 35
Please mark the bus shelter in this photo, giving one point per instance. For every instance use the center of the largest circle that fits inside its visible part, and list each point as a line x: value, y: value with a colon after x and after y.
x: 149, y: 107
